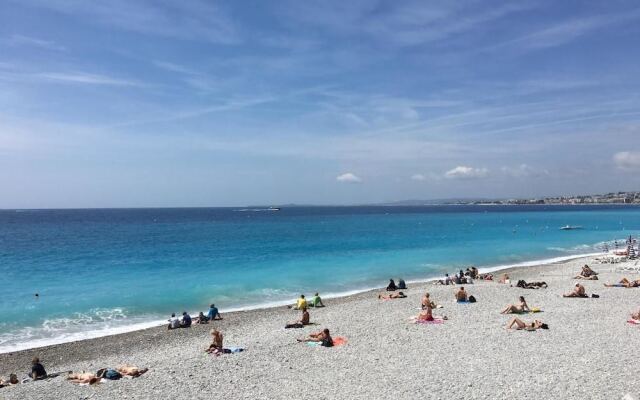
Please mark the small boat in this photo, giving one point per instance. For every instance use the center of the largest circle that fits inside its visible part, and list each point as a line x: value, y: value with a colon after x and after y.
x: 273, y: 208
x: 570, y: 227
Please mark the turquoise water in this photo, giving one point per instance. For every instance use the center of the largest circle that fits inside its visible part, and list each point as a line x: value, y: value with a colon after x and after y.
x: 106, y: 271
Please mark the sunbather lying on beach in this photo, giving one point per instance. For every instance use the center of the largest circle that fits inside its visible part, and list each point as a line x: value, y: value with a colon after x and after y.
x: 461, y: 295
x: 399, y: 295
x: 485, y: 277
x: 83, y: 377
x: 13, y: 380
x: 520, y: 324
x: 624, y: 282
x: 587, y: 273
x: 301, y: 322
x: 323, y: 337
x: 130, y: 370
x: 579, y: 291
x: 446, y: 281
x: 503, y: 278
x: 531, y: 285
x: 216, y: 344
x: 517, y: 308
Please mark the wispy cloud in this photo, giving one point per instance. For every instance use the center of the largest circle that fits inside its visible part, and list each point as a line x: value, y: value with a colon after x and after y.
x: 21, y: 40
x: 567, y: 31
x: 464, y: 172
x: 407, y: 24
x: 194, y: 20
x: 83, y: 78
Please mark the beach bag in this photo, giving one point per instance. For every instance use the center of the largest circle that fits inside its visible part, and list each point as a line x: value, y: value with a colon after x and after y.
x: 112, y: 374
x: 472, y: 299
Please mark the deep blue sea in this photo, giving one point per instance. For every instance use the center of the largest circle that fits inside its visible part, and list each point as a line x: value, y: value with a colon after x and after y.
x: 109, y: 270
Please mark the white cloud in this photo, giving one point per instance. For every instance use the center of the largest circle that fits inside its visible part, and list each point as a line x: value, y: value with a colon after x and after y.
x: 84, y: 78
x: 418, y: 177
x: 464, y: 172
x: 627, y: 159
x: 348, y: 177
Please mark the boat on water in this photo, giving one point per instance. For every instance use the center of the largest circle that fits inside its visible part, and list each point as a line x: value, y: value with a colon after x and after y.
x: 570, y: 227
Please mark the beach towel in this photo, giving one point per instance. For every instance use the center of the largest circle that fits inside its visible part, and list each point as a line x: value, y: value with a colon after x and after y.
x: 535, y: 310
x: 436, y: 321
x: 634, y: 322
x: 337, y: 341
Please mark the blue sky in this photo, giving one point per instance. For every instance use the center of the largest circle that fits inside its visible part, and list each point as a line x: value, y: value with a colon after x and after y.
x: 202, y: 103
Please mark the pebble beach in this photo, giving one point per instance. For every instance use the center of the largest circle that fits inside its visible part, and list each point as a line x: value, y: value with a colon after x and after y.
x: 590, y: 351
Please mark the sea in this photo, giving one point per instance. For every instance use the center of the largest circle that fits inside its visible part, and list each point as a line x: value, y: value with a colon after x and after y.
x: 104, y: 271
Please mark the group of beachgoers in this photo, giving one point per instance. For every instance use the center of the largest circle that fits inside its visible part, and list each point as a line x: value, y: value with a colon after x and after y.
x: 463, y: 277
x: 521, y: 307
x: 186, y: 321
x: 323, y: 337
x: 38, y: 372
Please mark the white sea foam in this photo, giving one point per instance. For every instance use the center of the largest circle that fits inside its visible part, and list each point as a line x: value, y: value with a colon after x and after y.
x: 105, y: 322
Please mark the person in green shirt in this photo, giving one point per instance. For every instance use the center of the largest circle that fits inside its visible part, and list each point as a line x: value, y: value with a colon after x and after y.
x: 316, y: 301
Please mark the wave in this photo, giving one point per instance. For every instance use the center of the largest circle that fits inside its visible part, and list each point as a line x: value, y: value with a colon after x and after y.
x: 79, y: 326
x: 106, y: 322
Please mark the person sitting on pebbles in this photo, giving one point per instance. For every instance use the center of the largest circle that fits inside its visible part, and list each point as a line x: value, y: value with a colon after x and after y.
x: 399, y: 295
x: 427, y: 302
x: 301, y: 322
x: 521, y: 325
x: 323, y: 337
x: 216, y: 345
x: 579, y: 291
x: 461, y: 295
x: 587, y: 273
x: 519, y: 308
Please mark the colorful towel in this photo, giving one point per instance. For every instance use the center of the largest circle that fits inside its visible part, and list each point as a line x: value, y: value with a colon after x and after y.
x: 337, y: 341
x: 436, y: 321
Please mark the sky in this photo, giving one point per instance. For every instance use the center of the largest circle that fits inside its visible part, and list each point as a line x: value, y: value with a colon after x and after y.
x: 132, y: 103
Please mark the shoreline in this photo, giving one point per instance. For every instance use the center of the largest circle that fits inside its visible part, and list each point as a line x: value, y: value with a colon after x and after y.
x: 141, y: 326
x: 473, y: 345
